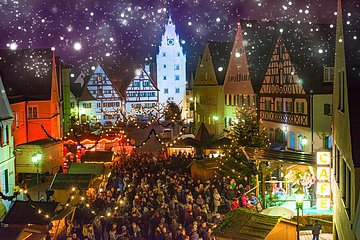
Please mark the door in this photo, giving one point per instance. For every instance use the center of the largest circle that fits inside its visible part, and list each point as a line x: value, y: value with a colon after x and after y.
x: 292, y: 140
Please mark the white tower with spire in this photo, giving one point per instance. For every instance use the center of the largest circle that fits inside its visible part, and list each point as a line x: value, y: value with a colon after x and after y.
x: 171, y: 67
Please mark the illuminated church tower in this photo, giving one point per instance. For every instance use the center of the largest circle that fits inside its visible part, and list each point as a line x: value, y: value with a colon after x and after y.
x: 171, y: 67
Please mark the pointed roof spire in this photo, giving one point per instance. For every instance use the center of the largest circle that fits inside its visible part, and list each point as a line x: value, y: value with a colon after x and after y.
x: 5, y: 110
x: 170, y: 15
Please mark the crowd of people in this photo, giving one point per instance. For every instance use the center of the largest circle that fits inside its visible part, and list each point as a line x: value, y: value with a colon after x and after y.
x: 155, y: 198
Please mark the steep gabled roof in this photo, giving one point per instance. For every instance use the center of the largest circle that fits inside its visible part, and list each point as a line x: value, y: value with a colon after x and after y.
x: 259, y: 38
x: 203, y: 135
x: 86, y: 95
x: 310, y: 46
x: 26, y: 74
x: 220, y: 56
x: 5, y: 109
x: 126, y: 84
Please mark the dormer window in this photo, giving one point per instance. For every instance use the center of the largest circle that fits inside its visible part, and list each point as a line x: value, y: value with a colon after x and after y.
x: 329, y: 74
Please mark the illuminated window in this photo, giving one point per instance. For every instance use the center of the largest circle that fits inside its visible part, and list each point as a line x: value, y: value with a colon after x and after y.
x: 32, y: 112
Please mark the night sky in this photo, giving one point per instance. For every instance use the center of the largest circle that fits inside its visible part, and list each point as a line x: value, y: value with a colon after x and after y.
x: 123, y: 33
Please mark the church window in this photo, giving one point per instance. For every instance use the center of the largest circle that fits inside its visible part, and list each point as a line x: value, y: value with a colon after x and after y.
x: 166, y: 90
x: 177, y: 67
x: 177, y: 90
x: 177, y: 77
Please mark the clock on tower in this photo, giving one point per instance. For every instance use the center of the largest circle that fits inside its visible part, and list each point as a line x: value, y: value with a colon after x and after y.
x: 170, y: 41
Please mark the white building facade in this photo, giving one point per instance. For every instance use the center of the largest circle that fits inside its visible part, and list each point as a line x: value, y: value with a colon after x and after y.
x: 171, y: 67
x: 7, y: 159
x: 141, y: 92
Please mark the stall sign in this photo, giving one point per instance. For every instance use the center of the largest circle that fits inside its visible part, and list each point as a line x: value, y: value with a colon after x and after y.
x: 323, y: 187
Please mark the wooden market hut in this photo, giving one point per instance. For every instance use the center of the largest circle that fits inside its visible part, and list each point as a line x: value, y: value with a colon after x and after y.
x: 62, y: 184
x: 36, y: 219
x: 204, y: 169
x: 242, y: 224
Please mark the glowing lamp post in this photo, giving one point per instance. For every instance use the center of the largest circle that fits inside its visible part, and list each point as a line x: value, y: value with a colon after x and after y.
x: 36, y: 160
x: 299, y: 198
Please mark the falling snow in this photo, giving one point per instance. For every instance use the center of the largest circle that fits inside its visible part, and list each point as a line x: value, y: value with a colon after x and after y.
x: 120, y: 34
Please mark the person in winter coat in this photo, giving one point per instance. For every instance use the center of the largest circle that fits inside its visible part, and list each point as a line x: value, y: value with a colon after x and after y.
x: 235, y: 204
x: 217, y: 200
x: 194, y: 235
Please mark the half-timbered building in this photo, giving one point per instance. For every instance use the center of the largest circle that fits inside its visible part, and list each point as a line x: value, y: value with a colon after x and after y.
x: 100, y: 100
x: 295, y: 95
x: 141, y: 91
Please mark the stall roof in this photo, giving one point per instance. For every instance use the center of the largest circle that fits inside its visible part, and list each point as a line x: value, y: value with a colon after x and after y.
x: 97, y: 156
x: 41, y: 142
x: 16, y: 214
x: 68, y: 181
x: 242, y: 224
x: 96, y: 169
x: 281, y: 156
x: 10, y: 232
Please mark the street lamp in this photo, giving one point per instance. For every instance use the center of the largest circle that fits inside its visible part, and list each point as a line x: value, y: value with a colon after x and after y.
x: 299, y: 198
x: 36, y: 157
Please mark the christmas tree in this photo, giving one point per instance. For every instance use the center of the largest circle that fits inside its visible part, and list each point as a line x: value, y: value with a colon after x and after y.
x: 247, y: 131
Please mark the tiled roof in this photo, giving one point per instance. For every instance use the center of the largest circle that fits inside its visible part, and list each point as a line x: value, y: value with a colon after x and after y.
x: 26, y: 74
x: 220, y: 56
